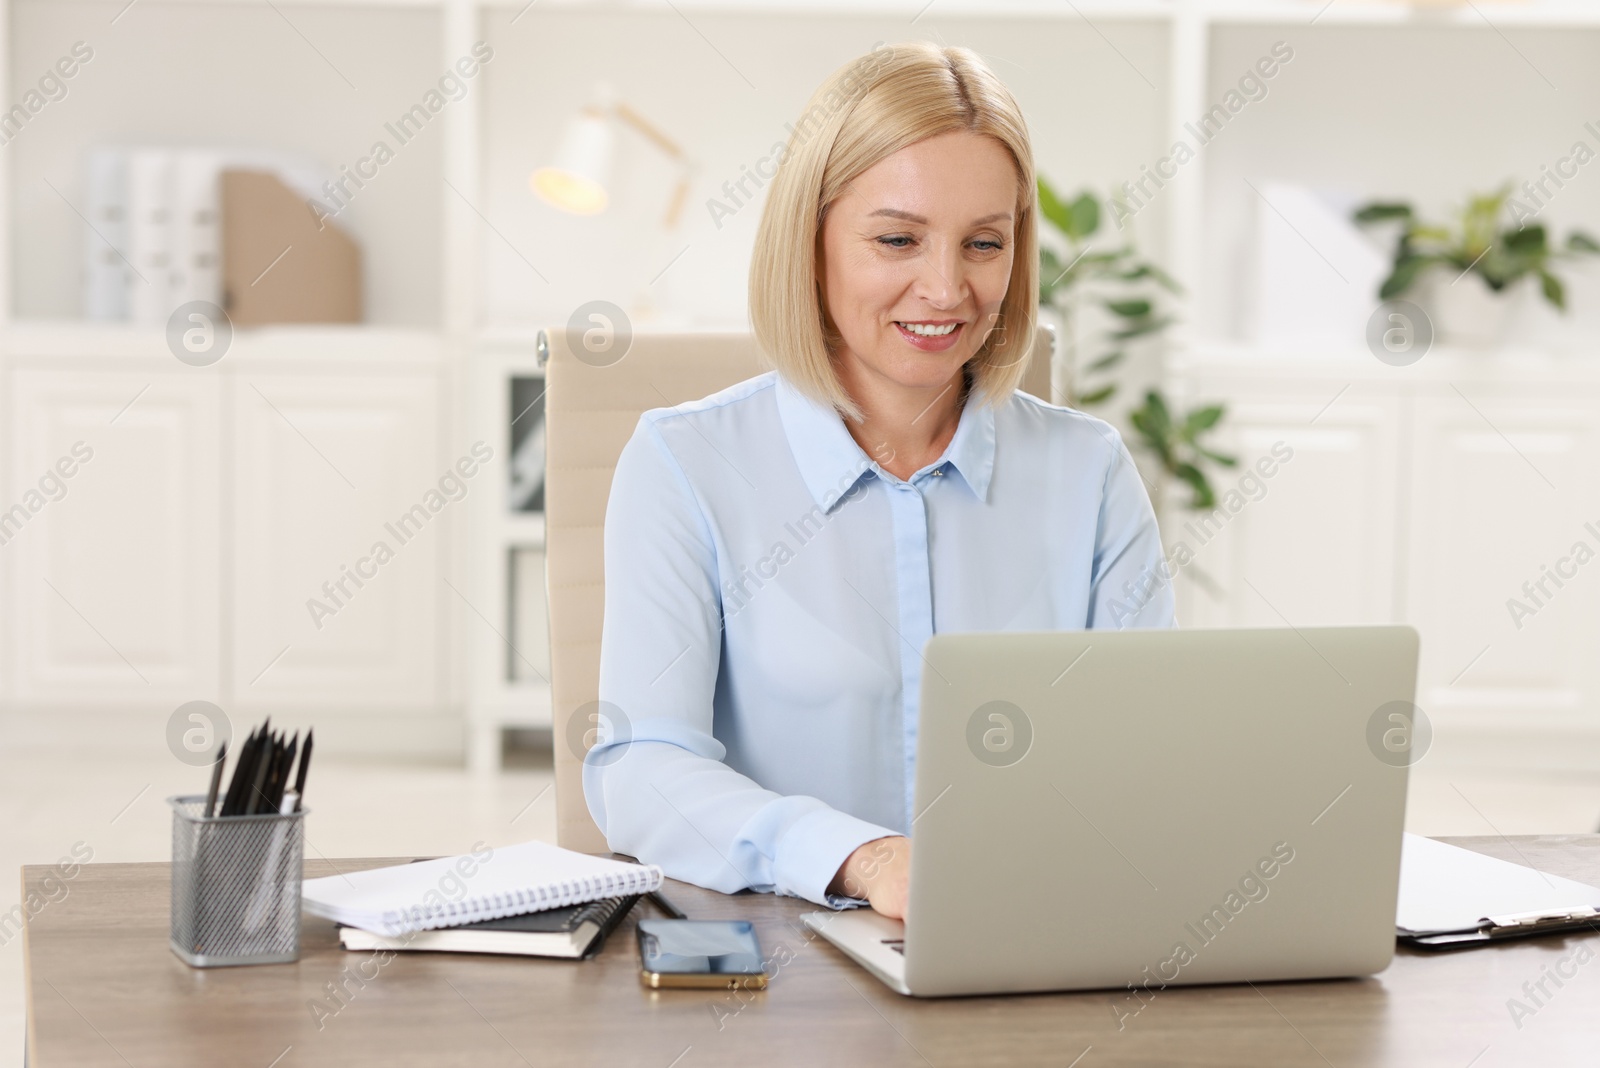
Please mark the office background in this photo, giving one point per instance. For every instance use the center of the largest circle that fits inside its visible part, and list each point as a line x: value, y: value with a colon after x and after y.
x: 179, y: 563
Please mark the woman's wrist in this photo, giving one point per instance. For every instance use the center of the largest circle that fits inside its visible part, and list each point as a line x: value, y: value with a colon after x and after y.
x: 863, y: 866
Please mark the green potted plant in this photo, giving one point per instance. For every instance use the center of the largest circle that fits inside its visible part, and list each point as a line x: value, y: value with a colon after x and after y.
x: 1085, y: 282
x: 1463, y: 271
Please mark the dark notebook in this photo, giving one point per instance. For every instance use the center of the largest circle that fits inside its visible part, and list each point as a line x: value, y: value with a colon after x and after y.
x: 576, y: 932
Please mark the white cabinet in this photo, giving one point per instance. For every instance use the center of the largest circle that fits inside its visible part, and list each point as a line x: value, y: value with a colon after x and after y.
x: 1442, y: 495
x: 338, y: 529
x: 206, y: 512
x: 1312, y: 542
x: 1504, y: 482
x: 113, y: 582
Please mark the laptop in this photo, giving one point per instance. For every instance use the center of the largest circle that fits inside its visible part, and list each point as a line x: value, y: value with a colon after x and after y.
x: 1141, y: 809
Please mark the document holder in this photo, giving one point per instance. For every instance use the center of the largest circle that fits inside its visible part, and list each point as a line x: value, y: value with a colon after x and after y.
x: 235, y: 885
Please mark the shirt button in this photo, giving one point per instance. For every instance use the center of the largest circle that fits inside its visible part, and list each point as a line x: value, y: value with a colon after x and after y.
x: 938, y: 472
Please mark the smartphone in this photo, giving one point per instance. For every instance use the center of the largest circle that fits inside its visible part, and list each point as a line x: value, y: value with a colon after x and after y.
x: 720, y: 954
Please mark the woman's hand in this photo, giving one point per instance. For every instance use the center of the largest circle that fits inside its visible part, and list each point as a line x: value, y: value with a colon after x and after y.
x: 879, y: 871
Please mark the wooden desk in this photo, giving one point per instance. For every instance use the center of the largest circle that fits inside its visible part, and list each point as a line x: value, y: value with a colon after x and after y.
x: 103, y: 989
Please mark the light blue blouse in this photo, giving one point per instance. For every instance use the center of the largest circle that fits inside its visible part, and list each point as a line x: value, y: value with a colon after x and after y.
x: 769, y: 588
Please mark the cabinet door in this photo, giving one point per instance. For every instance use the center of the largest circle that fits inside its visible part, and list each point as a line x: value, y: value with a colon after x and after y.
x: 113, y: 570
x: 1505, y: 491
x: 325, y: 467
x: 1311, y: 544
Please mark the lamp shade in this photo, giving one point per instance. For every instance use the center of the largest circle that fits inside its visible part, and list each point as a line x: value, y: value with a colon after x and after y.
x: 576, y: 181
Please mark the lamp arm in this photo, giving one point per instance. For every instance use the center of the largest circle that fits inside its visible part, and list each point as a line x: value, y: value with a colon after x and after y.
x: 668, y: 147
x: 649, y: 130
x: 675, y: 206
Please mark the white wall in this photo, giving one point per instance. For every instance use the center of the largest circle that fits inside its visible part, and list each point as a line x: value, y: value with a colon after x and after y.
x: 1423, y: 113
x: 229, y: 75
x: 1093, y: 119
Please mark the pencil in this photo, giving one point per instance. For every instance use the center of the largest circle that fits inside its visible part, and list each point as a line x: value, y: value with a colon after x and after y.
x: 300, y: 776
x: 216, y: 781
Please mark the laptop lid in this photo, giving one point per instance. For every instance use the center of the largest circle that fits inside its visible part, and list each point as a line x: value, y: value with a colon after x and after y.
x: 1103, y: 808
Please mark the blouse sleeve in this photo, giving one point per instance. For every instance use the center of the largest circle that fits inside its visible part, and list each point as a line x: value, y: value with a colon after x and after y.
x: 655, y: 781
x: 1131, y: 586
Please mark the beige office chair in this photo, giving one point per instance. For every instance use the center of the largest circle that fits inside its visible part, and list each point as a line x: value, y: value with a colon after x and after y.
x: 590, y: 412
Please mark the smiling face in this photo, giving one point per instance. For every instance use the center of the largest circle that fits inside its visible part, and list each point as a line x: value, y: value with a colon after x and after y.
x: 916, y: 258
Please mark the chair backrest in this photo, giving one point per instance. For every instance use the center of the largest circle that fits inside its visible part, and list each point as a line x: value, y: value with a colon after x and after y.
x: 590, y: 412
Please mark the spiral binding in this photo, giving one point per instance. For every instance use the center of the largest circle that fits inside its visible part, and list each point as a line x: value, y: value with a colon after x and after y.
x: 533, y: 899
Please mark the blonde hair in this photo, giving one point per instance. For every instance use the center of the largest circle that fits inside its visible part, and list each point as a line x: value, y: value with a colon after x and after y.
x: 868, y: 110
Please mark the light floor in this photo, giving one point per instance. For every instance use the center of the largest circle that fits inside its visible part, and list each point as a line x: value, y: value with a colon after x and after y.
x: 50, y: 800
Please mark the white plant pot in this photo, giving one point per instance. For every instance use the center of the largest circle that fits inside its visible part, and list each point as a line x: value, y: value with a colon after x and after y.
x: 1051, y: 317
x: 1074, y: 352
x: 1465, y: 311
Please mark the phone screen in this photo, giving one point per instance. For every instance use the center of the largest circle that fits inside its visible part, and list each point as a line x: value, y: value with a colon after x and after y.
x: 699, y: 947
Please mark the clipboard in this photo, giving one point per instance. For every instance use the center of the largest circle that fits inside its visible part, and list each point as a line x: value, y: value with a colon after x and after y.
x: 1453, y: 898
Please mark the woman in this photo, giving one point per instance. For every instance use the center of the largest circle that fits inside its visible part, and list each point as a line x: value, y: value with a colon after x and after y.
x: 778, y: 553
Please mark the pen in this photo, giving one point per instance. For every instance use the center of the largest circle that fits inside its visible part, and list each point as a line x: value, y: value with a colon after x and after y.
x: 230, y: 803
x: 666, y: 906
x: 300, y: 777
x: 216, y: 781
x: 280, y: 775
x: 268, y: 801
x: 263, y: 758
x: 261, y: 780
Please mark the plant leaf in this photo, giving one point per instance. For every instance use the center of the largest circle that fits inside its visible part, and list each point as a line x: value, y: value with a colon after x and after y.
x: 1085, y: 215
x: 1526, y: 241
x: 1162, y: 278
x: 1141, y: 327
x: 1203, y: 496
x: 1161, y: 417
x: 1154, y: 439
x: 1129, y: 309
x: 1554, y: 291
x: 1202, y: 418
x: 1097, y: 396
x: 1217, y: 457
x: 1151, y: 271
x: 1578, y: 241
x: 1439, y: 234
x: 1141, y: 422
x: 1404, y: 275
x: 1109, y: 360
x: 1051, y: 207
x: 1378, y: 211
x: 1051, y: 270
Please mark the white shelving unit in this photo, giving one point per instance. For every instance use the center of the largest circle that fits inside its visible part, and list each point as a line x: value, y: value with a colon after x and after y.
x: 498, y: 698
x: 464, y: 266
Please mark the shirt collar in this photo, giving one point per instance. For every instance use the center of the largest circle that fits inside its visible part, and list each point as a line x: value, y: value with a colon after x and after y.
x: 971, y: 451
x: 831, y: 463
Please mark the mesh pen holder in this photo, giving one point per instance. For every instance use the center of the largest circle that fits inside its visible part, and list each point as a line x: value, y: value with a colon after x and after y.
x: 235, y: 886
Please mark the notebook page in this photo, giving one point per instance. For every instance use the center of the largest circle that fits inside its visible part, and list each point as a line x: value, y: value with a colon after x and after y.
x: 509, y: 881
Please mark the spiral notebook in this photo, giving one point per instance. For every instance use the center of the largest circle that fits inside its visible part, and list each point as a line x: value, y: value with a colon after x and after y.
x: 576, y: 932
x: 453, y: 891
